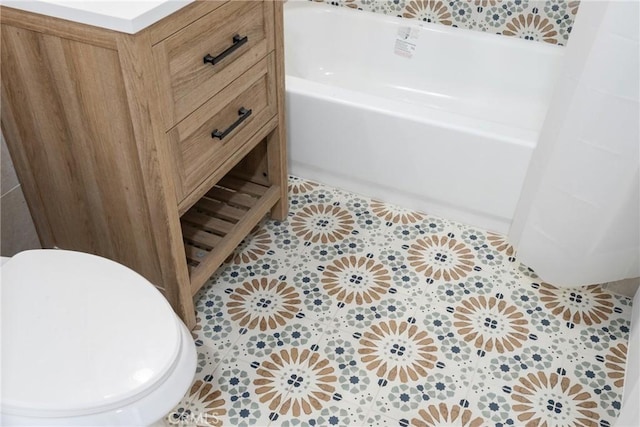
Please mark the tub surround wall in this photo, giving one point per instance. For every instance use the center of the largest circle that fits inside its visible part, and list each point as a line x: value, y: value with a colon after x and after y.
x: 547, y: 21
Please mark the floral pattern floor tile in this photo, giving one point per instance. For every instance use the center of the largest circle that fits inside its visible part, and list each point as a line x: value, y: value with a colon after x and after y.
x: 354, y: 312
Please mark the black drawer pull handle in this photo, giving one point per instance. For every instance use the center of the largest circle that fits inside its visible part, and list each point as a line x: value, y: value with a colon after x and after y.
x: 243, y: 113
x: 237, y: 42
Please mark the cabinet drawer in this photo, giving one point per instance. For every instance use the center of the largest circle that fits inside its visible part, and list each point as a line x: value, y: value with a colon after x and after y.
x: 186, y: 80
x: 196, y: 151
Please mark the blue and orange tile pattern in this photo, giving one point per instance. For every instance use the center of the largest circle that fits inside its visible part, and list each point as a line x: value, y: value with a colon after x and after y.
x: 356, y: 312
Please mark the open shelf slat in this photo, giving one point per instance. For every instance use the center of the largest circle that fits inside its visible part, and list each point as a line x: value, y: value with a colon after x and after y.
x: 241, y: 186
x: 209, y: 223
x: 194, y: 254
x: 219, y: 209
x: 233, y: 198
x: 201, y: 237
x: 218, y: 222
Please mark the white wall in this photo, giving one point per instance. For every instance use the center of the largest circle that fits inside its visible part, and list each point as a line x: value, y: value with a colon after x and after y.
x: 17, y: 232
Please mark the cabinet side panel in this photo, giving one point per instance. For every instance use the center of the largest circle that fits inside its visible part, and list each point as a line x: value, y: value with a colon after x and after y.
x: 70, y: 112
x: 277, y: 140
x: 156, y: 166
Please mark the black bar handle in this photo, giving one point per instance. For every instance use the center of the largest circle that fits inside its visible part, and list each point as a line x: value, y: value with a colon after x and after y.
x: 243, y: 113
x: 237, y: 42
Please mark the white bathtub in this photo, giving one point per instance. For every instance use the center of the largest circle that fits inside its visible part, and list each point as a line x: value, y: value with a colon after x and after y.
x: 447, y: 129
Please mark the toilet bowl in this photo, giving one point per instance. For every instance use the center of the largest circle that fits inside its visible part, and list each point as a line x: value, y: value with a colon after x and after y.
x: 87, y: 341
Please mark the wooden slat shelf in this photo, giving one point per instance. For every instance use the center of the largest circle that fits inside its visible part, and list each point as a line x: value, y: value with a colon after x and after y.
x: 218, y: 222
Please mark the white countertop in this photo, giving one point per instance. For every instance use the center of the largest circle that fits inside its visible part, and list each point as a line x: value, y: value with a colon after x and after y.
x: 119, y: 15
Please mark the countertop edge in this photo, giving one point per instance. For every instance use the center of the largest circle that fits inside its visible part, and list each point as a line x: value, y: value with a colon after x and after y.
x: 129, y: 25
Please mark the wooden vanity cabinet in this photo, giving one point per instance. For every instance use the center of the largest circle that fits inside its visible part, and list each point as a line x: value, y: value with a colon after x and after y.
x: 160, y: 150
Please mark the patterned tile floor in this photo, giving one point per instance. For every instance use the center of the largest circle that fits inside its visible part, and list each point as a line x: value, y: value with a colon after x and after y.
x: 355, y: 312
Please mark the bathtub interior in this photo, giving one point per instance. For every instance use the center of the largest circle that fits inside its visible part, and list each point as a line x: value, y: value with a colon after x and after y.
x: 480, y: 75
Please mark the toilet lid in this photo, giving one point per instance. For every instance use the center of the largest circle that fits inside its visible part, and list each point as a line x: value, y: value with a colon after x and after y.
x: 80, y: 334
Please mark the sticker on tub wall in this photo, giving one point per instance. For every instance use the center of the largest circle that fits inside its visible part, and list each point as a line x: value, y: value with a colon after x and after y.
x: 406, y: 41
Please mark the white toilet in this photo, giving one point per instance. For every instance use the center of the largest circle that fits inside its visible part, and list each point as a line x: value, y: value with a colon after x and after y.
x: 87, y: 341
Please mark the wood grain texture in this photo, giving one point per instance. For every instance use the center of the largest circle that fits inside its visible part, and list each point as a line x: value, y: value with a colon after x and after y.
x: 254, y: 166
x: 156, y: 173
x: 223, y: 169
x: 244, y: 225
x: 104, y: 163
x: 194, y: 150
x: 277, y: 141
x: 186, y: 80
x: 180, y: 19
x: 78, y: 141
